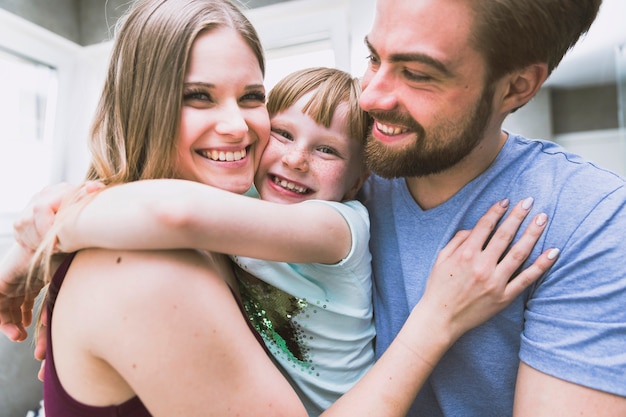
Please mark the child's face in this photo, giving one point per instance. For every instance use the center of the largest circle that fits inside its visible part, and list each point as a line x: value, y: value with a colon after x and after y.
x: 305, y: 160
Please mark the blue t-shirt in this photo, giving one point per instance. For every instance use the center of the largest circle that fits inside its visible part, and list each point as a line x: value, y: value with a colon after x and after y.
x: 571, y: 324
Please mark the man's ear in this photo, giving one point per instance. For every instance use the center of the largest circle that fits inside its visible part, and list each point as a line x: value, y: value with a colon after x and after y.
x: 520, y: 86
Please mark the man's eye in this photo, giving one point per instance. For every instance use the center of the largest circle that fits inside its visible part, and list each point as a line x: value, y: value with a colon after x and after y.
x: 372, y: 59
x: 416, y: 76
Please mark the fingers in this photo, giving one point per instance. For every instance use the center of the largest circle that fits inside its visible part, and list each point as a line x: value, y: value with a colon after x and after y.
x: 505, y: 233
x: 459, y: 238
x: 11, y: 323
x: 486, y: 224
x: 42, y: 337
x: 530, y: 274
x: 27, y: 311
x: 31, y: 226
x: 38, y: 216
x: 40, y: 346
x: 12, y: 320
x: 93, y: 186
x: 15, y: 332
x: 42, y: 368
x: 520, y: 251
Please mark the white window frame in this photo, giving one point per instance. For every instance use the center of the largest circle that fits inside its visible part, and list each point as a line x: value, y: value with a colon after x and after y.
x: 31, y: 41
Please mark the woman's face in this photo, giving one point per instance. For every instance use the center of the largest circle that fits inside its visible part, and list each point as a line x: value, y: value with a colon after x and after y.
x: 224, y: 121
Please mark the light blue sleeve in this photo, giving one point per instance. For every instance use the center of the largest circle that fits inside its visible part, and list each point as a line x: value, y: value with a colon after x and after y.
x: 576, y: 318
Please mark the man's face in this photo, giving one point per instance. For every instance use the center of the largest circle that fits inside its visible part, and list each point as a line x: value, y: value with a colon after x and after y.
x: 424, y: 87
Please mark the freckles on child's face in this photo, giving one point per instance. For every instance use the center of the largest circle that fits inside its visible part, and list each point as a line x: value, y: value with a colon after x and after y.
x: 305, y: 160
x: 224, y: 121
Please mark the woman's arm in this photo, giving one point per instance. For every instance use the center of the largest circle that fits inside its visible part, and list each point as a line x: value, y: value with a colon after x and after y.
x: 166, y: 214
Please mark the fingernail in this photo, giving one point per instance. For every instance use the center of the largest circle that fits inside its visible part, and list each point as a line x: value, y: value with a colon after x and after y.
x: 528, y: 203
x: 553, y: 253
x: 541, y: 219
x: 504, y: 203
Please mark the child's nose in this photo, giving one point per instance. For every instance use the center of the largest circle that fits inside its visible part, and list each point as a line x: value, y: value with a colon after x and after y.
x: 297, y: 159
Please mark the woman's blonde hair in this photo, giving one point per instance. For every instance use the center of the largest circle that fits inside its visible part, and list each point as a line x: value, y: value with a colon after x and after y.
x: 137, y: 120
x: 134, y: 133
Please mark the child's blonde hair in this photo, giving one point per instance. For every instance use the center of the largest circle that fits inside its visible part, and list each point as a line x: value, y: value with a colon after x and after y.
x: 330, y: 87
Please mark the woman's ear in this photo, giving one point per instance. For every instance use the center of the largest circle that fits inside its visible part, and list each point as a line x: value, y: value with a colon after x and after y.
x: 521, y: 86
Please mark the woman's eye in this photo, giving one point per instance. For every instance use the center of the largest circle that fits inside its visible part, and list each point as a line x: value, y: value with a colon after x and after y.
x: 196, y: 96
x: 257, y: 97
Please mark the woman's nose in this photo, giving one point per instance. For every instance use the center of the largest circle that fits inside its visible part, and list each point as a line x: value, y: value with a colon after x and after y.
x: 232, y: 122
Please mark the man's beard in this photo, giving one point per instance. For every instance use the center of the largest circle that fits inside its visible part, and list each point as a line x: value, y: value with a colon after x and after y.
x: 431, y: 152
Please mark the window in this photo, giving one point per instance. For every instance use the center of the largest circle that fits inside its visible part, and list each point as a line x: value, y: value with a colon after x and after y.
x: 303, y: 34
x: 285, y: 60
x: 27, y: 107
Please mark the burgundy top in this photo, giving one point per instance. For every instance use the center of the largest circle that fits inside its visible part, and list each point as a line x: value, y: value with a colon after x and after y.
x: 57, y: 402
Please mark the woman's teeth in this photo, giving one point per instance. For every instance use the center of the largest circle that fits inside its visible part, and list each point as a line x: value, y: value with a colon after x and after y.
x: 224, y: 155
x: 290, y: 186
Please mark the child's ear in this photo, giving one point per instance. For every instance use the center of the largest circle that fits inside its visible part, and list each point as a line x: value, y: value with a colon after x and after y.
x: 352, y: 192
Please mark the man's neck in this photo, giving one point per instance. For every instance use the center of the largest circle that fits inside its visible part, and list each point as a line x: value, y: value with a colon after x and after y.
x: 432, y: 190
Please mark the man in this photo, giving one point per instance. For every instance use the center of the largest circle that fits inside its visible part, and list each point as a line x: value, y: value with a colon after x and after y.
x: 442, y: 77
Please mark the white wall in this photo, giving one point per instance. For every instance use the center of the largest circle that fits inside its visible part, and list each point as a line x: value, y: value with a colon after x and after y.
x: 533, y: 120
x: 606, y: 148
x: 40, y: 45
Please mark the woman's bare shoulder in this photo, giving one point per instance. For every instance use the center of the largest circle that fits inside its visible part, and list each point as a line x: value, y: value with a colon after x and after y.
x: 170, y: 313
x: 144, y: 274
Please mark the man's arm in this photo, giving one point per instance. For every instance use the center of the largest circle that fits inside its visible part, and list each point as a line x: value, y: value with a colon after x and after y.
x: 541, y: 395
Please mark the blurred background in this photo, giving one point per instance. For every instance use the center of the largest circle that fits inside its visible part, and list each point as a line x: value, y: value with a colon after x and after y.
x: 53, y: 55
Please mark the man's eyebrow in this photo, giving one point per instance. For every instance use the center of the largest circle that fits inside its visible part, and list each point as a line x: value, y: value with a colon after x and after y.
x: 413, y: 57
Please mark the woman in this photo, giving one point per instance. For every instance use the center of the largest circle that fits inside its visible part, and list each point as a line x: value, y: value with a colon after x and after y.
x: 111, y: 343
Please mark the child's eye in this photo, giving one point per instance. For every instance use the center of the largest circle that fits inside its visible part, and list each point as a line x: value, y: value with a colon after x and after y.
x: 327, y: 150
x: 282, y: 134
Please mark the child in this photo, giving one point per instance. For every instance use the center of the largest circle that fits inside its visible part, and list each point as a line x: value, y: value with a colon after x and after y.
x: 315, y: 318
